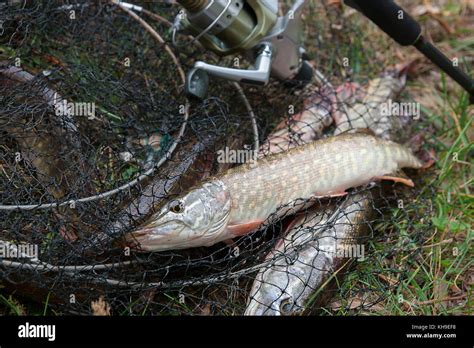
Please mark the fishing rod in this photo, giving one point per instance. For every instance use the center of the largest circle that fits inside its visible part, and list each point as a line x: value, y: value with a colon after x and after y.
x: 275, y: 43
x: 405, y: 30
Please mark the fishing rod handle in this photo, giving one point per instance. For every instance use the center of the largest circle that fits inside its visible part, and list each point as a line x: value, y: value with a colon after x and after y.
x: 391, y: 18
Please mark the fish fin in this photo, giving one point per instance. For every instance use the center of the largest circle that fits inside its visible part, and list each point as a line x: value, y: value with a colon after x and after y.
x: 229, y: 242
x: 399, y: 176
x: 244, y: 228
x: 400, y: 173
x: 292, y: 224
x: 331, y: 195
x: 363, y: 131
x: 366, y: 131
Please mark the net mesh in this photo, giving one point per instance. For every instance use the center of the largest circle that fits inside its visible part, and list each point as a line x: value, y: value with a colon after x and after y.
x: 96, y: 135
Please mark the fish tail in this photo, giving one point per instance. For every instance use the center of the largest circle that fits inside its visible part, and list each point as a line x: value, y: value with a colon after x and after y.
x: 406, y: 158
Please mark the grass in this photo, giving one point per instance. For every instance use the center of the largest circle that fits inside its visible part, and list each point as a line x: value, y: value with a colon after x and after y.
x: 11, y: 306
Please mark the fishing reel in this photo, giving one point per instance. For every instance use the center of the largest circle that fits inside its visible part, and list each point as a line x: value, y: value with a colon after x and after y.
x: 252, y: 27
x: 274, y: 43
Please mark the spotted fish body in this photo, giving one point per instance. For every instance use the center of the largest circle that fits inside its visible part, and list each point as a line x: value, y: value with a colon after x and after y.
x: 321, y: 168
x: 321, y: 241
x: 240, y: 200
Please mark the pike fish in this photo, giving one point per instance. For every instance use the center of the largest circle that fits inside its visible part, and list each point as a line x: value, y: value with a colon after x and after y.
x: 364, y: 109
x: 319, y: 243
x: 240, y: 200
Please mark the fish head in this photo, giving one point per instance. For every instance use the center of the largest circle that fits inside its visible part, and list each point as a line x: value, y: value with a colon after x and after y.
x: 277, y: 291
x: 197, y: 218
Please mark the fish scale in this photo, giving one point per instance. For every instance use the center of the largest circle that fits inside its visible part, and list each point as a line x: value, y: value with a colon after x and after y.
x: 312, y: 171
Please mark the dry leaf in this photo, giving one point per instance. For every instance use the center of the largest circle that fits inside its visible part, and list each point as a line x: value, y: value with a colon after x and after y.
x: 68, y: 233
x: 100, y: 307
x: 357, y: 303
x: 334, y: 2
x: 425, y: 9
x: 206, y: 309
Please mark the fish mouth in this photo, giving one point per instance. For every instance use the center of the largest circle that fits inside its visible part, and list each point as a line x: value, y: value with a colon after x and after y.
x: 149, y: 239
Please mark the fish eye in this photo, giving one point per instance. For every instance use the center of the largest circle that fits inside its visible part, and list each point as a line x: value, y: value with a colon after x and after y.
x: 286, y: 306
x: 176, y: 207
